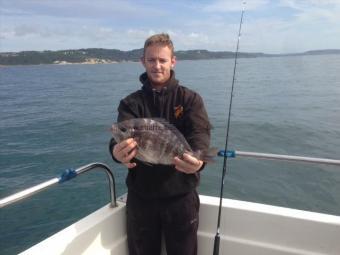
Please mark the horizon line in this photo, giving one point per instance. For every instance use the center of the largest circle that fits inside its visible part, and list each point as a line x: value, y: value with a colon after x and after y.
x: 255, y: 52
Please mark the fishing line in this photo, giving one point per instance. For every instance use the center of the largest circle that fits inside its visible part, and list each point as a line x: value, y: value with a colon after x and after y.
x: 217, y: 236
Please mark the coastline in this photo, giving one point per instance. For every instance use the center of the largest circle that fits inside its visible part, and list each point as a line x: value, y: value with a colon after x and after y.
x: 88, y: 61
x: 101, y: 62
x: 107, y: 56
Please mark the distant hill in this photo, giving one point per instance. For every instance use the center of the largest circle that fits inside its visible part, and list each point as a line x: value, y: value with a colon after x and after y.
x: 86, y: 56
x: 98, y: 56
x: 322, y: 52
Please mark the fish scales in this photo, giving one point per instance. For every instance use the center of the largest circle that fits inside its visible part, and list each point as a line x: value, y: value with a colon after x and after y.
x: 158, y: 142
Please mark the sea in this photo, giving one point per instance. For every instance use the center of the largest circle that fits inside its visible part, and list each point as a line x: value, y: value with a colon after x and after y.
x: 56, y: 117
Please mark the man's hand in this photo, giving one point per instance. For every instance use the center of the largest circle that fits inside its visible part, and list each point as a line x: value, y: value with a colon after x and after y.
x: 125, y: 151
x: 188, y: 164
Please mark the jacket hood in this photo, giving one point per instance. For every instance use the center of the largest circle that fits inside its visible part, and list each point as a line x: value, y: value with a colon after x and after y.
x: 170, y: 85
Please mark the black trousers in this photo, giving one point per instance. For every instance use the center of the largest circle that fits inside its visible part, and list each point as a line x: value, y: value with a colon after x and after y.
x: 176, y: 218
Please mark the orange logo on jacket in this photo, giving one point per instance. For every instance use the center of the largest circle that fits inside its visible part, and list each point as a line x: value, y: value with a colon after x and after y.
x: 178, y: 111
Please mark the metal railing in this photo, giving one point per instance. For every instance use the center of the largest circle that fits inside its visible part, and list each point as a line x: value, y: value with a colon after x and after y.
x: 233, y: 154
x: 65, y: 176
x: 69, y: 174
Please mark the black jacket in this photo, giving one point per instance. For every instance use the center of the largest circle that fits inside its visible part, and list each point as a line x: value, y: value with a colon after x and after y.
x: 183, y: 108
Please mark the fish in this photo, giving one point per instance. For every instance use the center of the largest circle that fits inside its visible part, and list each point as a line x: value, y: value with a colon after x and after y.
x: 158, y: 141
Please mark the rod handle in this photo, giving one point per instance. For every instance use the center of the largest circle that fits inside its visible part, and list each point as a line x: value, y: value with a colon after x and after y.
x: 216, y: 245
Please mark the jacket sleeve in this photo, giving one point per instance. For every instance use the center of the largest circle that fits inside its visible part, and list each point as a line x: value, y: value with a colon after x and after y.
x: 198, y: 123
x: 125, y: 111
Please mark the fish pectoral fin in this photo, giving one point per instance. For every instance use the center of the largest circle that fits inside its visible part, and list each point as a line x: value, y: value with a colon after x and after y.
x: 206, y: 155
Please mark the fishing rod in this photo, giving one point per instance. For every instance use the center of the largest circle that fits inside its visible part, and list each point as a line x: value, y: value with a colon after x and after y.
x: 217, y: 236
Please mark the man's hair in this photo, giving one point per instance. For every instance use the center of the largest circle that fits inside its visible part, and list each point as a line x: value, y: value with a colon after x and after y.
x: 159, y: 39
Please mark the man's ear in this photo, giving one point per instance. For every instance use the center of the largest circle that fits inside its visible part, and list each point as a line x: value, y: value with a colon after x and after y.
x: 142, y: 60
x: 173, y: 61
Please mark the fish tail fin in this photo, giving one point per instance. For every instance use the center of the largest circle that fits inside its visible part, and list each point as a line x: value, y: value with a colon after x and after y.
x: 206, y: 155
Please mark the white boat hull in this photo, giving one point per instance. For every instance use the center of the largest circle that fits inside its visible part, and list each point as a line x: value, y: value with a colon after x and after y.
x: 246, y: 228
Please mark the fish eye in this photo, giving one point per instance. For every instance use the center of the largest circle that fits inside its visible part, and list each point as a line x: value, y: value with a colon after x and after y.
x: 123, y: 129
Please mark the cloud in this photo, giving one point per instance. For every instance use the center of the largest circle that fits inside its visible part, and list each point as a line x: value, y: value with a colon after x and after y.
x: 312, y: 29
x: 27, y: 30
x: 86, y: 9
x: 314, y: 10
x: 234, y: 5
x: 302, y: 4
x: 284, y: 26
x: 319, y: 15
x: 12, y: 11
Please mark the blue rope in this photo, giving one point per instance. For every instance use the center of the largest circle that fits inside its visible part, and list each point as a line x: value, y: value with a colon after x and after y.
x: 68, y: 174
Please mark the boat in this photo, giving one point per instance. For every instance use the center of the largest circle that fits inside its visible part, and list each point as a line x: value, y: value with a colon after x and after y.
x: 246, y: 227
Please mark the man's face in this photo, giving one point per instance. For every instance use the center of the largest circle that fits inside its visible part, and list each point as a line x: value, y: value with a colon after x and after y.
x: 158, y: 62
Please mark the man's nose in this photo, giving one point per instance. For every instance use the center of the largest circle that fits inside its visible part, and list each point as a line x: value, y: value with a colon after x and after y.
x: 157, y: 64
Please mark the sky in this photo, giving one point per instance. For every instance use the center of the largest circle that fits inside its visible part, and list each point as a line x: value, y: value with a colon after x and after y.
x: 279, y: 26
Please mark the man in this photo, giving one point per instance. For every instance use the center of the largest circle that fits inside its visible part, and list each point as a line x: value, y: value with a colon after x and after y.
x: 162, y: 200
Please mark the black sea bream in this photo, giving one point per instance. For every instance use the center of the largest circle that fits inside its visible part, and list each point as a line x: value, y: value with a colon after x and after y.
x: 158, y: 142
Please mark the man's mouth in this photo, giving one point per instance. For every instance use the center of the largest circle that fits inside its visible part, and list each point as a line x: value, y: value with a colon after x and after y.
x: 157, y: 74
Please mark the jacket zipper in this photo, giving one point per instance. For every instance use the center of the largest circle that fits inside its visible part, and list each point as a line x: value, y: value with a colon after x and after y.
x: 160, y: 104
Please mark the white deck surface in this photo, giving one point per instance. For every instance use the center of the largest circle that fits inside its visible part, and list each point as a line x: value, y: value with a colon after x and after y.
x: 246, y: 228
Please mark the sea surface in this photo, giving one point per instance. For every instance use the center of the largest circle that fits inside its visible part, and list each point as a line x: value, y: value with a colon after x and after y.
x: 55, y: 117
